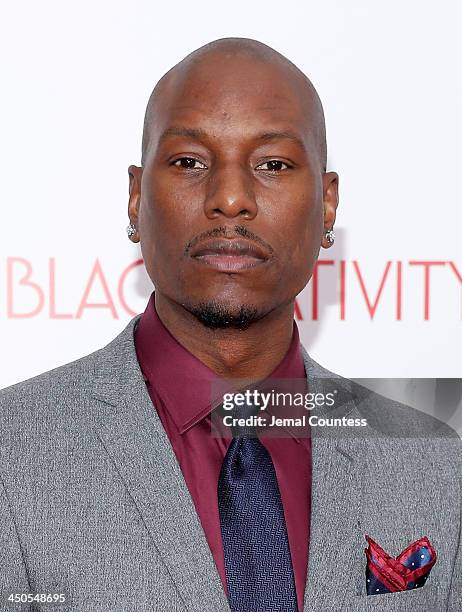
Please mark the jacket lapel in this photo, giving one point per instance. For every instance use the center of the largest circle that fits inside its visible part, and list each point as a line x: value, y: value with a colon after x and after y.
x: 336, y: 539
x: 132, y: 434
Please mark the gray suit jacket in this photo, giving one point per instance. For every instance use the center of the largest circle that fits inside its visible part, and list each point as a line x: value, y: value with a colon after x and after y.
x: 93, y: 503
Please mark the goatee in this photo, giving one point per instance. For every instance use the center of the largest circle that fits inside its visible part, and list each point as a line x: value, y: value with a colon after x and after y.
x: 216, y: 315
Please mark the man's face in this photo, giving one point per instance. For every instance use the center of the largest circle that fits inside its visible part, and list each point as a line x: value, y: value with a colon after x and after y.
x: 232, y: 158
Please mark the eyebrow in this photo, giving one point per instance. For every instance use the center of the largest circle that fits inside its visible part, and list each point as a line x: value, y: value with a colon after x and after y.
x: 280, y: 136
x: 201, y: 134
x: 182, y: 131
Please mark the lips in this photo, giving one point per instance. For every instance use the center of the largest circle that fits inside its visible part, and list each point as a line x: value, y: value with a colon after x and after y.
x: 229, y: 254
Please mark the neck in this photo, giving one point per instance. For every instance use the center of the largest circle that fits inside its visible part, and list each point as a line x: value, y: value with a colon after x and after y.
x: 231, y: 353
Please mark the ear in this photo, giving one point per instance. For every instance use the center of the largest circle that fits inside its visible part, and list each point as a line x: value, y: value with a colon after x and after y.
x: 330, y: 198
x: 134, y: 189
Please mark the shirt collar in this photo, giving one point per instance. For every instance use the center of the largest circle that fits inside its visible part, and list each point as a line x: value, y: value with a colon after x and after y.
x: 182, y: 381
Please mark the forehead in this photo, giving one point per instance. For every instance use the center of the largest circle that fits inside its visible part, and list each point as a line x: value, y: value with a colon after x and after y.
x: 234, y: 97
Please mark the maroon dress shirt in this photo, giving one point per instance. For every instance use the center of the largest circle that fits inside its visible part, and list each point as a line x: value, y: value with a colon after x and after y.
x: 179, y: 386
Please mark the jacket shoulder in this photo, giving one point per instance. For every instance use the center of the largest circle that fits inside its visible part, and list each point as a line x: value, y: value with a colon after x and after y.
x: 51, y: 388
x: 65, y: 385
x: 384, y: 415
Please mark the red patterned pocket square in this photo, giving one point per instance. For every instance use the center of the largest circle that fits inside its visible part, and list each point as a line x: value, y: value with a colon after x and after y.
x: 409, y: 570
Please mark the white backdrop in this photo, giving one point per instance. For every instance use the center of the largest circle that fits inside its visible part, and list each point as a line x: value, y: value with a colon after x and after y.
x: 75, y: 81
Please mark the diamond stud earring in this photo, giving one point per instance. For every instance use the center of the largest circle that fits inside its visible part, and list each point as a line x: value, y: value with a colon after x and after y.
x: 330, y: 236
x: 131, y: 230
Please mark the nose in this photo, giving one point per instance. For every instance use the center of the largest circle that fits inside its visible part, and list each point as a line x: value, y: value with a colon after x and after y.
x: 230, y: 193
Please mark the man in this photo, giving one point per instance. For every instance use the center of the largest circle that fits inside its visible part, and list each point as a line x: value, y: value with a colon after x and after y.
x: 115, y: 494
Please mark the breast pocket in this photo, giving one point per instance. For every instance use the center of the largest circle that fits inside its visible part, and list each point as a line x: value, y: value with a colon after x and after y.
x: 424, y: 599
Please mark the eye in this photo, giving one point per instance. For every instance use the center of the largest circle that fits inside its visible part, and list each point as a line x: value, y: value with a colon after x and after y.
x: 189, y: 163
x: 273, y: 165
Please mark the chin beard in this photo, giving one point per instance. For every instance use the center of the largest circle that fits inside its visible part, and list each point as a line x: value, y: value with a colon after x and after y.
x: 216, y: 315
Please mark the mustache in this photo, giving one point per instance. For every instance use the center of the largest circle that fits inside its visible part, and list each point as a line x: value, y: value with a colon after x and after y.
x: 225, y: 232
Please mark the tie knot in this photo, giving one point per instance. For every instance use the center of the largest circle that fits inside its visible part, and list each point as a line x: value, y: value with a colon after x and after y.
x: 245, y: 413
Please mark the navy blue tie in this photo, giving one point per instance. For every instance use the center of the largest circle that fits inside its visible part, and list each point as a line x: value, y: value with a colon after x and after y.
x: 258, y: 564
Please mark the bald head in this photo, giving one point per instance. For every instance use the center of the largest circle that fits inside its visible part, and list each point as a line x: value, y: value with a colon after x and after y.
x: 237, y: 60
